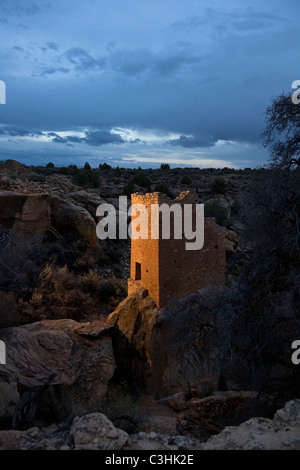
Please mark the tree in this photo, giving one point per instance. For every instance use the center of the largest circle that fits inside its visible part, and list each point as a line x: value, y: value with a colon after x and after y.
x: 50, y: 165
x: 282, y: 132
x: 186, y: 180
x: 87, y: 166
x: 218, y: 186
x: 162, y: 188
x: 165, y: 166
x: 129, y: 188
x: 104, y: 166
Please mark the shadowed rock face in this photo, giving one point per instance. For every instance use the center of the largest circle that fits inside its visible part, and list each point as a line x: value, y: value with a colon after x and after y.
x: 81, y: 365
x: 25, y: 211
x: 74, y: 219
x: 142, y: 340
x: 37, y: 212
x: 281, y: 433
x: 95, y: 432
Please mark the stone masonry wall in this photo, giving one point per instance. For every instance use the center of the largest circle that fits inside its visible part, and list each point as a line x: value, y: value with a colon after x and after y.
x: 165, y: 267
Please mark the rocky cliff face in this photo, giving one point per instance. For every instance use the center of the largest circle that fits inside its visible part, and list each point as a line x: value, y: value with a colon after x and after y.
x: 76, y: 359
x: 73, y: 218
x: 145, y: 350
x: 25, y: 211
x: 37, y: 212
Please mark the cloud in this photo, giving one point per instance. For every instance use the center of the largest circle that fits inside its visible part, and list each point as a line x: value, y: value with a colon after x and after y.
x: 193, y: 141
x: 82, y: 60
x: 224, y: 20
x: 187, y: 24
x: 30, y: 10
x: 18, y: 9
x: 102, y: 138
x: 131, y: 62
x: 52, y: 45
x: 43, y: 70
x: 165, y: 62
x: 16, y: 131
x: 90, y: 137
x: 22, y: 25
x: 192, y: 161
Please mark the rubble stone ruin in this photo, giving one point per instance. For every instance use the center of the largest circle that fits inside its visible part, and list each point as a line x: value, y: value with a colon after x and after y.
x: 165, y: 268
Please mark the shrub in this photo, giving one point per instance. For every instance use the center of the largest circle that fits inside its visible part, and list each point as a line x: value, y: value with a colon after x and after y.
x: 58, y: 294
x: 165, y: 166
x: 216, y: 209
x: 118, y: 171
x: 141, y: 179
x: 63, y: 170
x: 186, y: 180
x: 103, y: 288
x: 72, y: 167
x: 50, y: 165
x: 218, y: 186
x: 104, y: 166
x: 162, y: 188
x: 129, y: 188
x: 87, y: 178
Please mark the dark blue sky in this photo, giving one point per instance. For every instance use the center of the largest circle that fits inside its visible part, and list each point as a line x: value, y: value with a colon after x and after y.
x: 139, y: 82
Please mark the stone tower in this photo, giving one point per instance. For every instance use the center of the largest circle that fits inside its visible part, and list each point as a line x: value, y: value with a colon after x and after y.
x: 165, y: 267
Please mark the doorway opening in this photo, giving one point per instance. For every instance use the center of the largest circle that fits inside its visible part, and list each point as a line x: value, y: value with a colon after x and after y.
x: 138, y: 271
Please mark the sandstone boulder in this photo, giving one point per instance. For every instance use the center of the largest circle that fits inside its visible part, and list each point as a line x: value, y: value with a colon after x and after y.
x: 90, y: 201
x: 27, y: 212
x: 96, y: 432
x: 281, y: 433
x: 73, y: 218
x: 80, y: 367
x: 158, y: 360
x: 207, y: 416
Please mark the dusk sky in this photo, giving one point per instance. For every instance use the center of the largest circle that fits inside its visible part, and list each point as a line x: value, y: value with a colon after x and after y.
x: 140, y: 82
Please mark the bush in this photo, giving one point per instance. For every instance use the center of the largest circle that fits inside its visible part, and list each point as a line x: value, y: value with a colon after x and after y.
x: 58, y: 294
x: 216, y: 209
x: 63, y: 170
x: 129, y: 188
x: 102, y: 288
x: 186, y: 180
x: 165, y: 166
x: 162, y: 188
x: 87, y: 178
x: 142, y: 180
x: 104, y: 166
x: 118, y: 171
x: 50, y: 165
x: 72, y: 167
x: 218, y: 186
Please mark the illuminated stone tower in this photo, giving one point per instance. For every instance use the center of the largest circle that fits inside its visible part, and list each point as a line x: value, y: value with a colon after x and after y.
x: 165, y: 268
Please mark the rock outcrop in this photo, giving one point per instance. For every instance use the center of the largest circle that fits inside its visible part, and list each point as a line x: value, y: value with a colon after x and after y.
x: 27, y: 212
x: 281, y: 433
x: 72, y: 218
x: 37, y: 212
x: 146, y: 350
x: 95, y: 432
x: 76, y: 359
